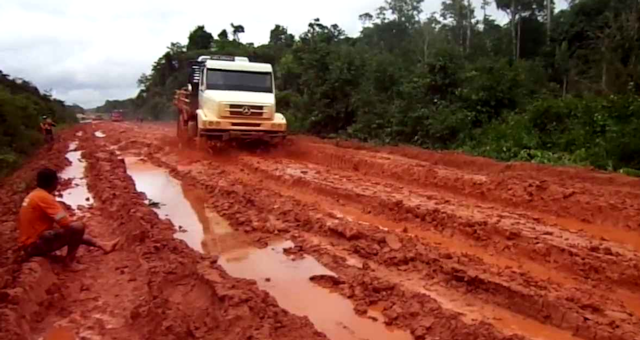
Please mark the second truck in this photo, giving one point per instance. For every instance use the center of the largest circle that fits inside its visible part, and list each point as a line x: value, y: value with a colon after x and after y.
x: 229, y: 98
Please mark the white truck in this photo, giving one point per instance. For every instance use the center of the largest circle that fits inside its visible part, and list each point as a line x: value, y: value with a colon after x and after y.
x: 229, y: 98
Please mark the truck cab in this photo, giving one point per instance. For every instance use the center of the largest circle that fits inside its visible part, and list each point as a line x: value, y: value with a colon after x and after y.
x: 234, y: 98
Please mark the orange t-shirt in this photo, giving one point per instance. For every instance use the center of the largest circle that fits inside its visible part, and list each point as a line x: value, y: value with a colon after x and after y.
x: 39, y: 212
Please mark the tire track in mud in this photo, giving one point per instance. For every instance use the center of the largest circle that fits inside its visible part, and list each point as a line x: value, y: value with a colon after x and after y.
x: 562, y: 307
x: 607, y: 199
x: 490, y: 287
x: 536, y: 240
x: 154, y: 286
x: 445, y: 222
x: 190, y: 296
x: 428, y: 317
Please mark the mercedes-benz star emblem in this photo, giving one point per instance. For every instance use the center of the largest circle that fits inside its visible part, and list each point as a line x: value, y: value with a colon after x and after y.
x: 246, y: 111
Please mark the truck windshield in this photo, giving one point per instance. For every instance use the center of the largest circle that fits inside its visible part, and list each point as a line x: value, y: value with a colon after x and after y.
x: 227, y: 80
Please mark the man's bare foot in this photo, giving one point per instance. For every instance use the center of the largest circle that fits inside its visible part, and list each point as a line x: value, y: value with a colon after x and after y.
x: 110, y: 246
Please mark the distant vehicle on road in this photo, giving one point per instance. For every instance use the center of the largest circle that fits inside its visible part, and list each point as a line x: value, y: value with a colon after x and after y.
x: 116, y: 116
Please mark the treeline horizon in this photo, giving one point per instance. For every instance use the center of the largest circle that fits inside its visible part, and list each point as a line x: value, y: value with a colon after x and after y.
x: 548, y: 87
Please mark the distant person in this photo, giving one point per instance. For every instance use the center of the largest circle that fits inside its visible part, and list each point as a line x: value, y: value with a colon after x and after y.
x: 47, y: 126
x: 45, y: 227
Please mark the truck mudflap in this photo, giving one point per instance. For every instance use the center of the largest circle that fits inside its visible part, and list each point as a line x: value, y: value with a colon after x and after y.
x: 246, y: 135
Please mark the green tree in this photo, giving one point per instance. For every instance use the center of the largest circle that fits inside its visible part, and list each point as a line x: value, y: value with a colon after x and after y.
x: 199, y: 39
x: 516, y: 9
x: 406, y: 11
x: 458, y: 16
x: 365, y: 18
x: 544, y: 87
x: 21, y: 107
x: 279, y: 36
x: 223, y: 35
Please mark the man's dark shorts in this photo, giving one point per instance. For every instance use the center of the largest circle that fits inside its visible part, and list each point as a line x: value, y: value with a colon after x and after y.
x: 48, y: 137
x: 49, y: 241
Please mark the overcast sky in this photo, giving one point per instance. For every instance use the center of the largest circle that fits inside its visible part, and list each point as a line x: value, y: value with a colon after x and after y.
x: 89, y: 51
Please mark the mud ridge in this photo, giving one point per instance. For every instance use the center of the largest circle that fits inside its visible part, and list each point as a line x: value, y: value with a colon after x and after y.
x: 189, y: 294
x: 540, y: 247
x: 369, y: 242
x: 548, y: 194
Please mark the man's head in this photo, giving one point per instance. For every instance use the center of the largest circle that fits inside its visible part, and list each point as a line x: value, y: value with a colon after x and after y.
x: 47, y: 180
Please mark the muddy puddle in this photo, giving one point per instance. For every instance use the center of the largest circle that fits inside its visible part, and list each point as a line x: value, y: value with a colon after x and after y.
x: 288, y: 282
x: 99, y: 134
x: 78, y: 194
x: 472, y: 310
x: 203, y: 229
x: 166, y: 197
x: 285, y: 279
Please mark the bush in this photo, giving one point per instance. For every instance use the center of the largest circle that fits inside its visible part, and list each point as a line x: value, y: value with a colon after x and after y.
x: 21, y: 108
x: 599, y: 131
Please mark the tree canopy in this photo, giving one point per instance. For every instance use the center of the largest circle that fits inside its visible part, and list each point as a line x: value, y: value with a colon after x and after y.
x: 199, y: 39
x: 546, y: 86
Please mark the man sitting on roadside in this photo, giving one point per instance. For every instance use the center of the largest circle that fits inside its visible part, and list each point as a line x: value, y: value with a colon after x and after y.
x: 45, y: 226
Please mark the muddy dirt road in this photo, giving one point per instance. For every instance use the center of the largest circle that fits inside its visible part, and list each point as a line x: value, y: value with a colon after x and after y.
x: 319, y: 239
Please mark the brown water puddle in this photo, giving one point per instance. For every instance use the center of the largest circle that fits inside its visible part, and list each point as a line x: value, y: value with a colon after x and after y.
x: 203, y: 229
x: 167, y: 198
x: 288, y: 281
x: 285, y: 279
x: 99, y: 134
x: 78, y: 194
x: 472, y: 310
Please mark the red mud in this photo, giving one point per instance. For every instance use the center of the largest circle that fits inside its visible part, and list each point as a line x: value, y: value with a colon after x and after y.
x: 153, y: 287
x: 438, y: 245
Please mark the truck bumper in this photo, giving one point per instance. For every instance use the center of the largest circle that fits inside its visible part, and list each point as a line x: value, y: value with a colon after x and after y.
x: 242, y: 134
x: 242, y: 128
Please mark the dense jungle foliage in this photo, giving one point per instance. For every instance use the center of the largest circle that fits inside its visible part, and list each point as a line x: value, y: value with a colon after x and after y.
x: 547, y: 86
x: 22, y: 107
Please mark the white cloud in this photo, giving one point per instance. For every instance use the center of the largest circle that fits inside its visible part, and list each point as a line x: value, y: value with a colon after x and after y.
x: 90, y: 51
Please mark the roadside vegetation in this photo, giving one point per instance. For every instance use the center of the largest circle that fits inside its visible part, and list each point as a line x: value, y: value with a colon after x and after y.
x: 21, y: 107
x: 558, y: 89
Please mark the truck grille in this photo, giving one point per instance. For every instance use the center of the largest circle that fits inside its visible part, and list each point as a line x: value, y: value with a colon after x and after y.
x: 246, y: 124
x: 246, y: 110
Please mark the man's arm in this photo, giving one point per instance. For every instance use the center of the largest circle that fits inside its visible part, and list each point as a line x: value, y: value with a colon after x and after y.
x: 56, y: 212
